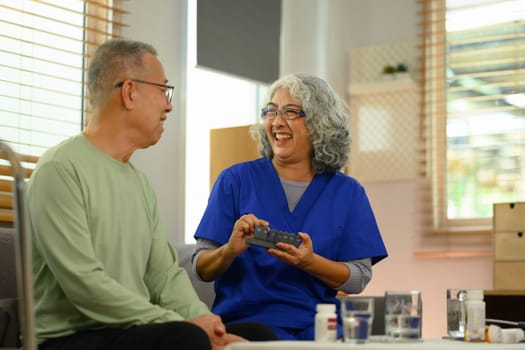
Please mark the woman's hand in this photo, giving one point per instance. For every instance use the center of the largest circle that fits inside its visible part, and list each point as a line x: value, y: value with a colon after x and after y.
x: 242, y: 228
x: 301, y: 256
x: 332, y: 273
x: 214, y: 262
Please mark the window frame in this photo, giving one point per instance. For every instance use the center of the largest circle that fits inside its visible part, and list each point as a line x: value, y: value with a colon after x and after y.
x: 433, y: 133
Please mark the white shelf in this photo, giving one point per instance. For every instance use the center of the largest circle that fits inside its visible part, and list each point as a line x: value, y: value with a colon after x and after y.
x: 378, y: 87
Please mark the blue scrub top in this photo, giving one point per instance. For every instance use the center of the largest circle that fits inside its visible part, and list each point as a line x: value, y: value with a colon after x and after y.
x: 334, y: 210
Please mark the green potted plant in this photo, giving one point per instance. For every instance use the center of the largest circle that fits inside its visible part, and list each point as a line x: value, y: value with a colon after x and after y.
x: 401, y: 67
x: 402, y: 71
x: 389, y: 72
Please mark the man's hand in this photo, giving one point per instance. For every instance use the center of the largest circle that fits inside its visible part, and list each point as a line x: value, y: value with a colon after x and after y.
x: 231, y: 338
x: 216, y: 331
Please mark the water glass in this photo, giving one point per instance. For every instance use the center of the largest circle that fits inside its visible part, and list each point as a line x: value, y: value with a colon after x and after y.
x: 403, y: 315
x: 357, y: 314
x: 456, y: 312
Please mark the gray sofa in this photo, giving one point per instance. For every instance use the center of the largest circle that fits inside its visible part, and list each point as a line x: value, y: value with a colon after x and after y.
x: 9, y: 327
x: 8, y: 296
x: 203, y: 289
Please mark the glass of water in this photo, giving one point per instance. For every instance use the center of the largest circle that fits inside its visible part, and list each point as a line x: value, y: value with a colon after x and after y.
x: 357, y: 313
x: 403, y: 315
x: 456, y: 312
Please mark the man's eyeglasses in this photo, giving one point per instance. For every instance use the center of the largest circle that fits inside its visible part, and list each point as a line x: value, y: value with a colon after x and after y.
x: 286, y: 114
x: 168, y: 88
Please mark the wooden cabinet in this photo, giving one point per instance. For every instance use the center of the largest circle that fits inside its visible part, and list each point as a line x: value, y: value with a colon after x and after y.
x: 509, y: 246
x: 229, y: 146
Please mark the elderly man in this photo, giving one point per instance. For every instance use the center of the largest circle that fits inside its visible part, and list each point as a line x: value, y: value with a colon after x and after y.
x: 105, y: 275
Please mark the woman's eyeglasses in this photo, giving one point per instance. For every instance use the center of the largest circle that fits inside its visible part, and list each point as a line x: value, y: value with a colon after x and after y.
x: 286, y: 114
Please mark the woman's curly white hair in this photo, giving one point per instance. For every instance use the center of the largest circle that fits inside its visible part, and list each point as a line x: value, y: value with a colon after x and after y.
x: 326, y: 121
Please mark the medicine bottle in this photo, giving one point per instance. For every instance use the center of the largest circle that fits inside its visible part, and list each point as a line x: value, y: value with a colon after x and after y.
x: 496, y: 334
x: 474, y: 316
x: 325, y: 323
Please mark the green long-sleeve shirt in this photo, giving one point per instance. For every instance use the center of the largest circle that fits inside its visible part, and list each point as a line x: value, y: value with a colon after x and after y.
x: 100, y: 255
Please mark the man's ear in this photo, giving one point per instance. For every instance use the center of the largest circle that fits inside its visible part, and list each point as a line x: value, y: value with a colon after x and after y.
x: 128, y: 94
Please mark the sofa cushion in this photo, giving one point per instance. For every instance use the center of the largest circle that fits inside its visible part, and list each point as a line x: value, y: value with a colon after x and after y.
x: 204, y: 289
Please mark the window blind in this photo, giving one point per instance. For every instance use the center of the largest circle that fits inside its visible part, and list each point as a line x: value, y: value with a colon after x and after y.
x: 472, y: 111
x: 44, y: 49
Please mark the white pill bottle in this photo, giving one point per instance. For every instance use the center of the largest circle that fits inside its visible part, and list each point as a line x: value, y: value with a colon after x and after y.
x: 474, y: 316
x: 325, y: 323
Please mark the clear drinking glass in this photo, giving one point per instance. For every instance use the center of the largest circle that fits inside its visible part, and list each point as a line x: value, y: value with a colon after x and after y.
x: 403, y: 314
x: 357, y: 314
x: 456, y: 312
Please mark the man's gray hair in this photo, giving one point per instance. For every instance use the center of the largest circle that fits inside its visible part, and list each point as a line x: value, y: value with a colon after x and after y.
x: 115, y: 59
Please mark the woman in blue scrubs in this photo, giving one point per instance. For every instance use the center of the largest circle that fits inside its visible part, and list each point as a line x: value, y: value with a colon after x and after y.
x: 296, y: 186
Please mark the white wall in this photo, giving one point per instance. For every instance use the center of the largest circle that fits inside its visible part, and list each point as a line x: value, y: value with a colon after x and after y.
x: 163, y: 24
x: 318, y: 36
x: 395, y: 207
